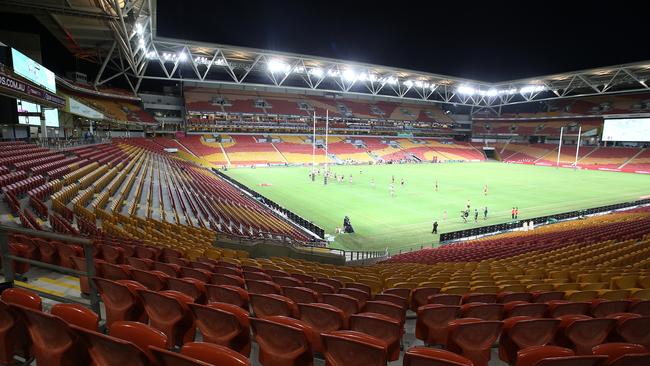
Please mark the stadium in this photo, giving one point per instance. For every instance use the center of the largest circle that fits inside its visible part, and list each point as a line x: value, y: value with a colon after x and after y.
x: 171, y: 200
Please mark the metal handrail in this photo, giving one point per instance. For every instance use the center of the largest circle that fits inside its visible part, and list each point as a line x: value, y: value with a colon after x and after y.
x: 8, y: 258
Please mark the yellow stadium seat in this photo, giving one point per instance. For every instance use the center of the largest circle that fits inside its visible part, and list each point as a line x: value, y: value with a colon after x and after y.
x: 623, y: 282
x: 573, y: 295
x: 640, y: 294
x: 613, y: 294
x: 454, y: 290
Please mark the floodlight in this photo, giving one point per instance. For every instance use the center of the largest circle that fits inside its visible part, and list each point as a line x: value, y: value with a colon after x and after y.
x: 299, y: 69
x: 363, y: 76
x: 141, y: 42
x: 492, y: 92
x: 408, y: 83
x: 332, y: 72
x: 467, y: 90
x: 317, y: 72
x: 531, y: 89
x: 139, y: 29
x: 349, y: 75
x: 151, y: 55
x: 391, y: 80
x: 276, y: 65
x: 372, y: 77
x: 182, y: 56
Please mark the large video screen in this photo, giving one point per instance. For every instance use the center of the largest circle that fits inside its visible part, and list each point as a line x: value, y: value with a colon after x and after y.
x: 627, y: 129
x: 51, y: 115
x: 32, y: 70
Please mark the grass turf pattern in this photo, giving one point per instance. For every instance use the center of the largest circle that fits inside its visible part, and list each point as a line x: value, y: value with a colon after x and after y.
x: 404, y: 221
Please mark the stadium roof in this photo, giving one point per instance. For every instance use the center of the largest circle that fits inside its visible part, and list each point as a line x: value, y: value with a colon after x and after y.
x: 121, y: 36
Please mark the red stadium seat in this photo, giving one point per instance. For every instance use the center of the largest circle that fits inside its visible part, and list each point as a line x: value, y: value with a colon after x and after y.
x: 482, y: 311
x: 532, y: 355
x: 635, y: 330
x: 361, y: 295
x: 281, y: 344
x: 226, y: 279
x: 168, y: 312
x: 120, y: 300
x: 54, y: 343
x: 224, y: 324
x: 386, y: 308
x: 76, y: 314
x: 473, y: 338
x: 601, y: 308
x: 419, y: 296
x: 587, y: 333
x: 520, y: 308
x: 431, y: 324
x: 423, y: 356
x: 348, y: 304
x: 263, y: 287
x: 14, y: 339
x: 190, y: 287
x: 380, y: 326
x: 367, y: 350
x: 214, y: 354
x: 523, y: 332
x: 264, y: 305
x: 228, y: 294
x: 616, y: 351
x: 141, y: 335
x: 445, y: 299
x: 300, y: 295
x: 107, y: 350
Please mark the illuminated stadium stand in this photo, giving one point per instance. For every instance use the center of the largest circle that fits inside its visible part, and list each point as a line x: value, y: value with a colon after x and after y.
x: 150, y: 231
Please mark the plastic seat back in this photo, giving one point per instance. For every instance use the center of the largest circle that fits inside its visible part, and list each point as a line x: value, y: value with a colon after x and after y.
x: 532, y: 355
x: 431, y: 323
x: 588, y: 333
x: 523, y: 332
x: 262, y: 287
x: 106, y: 350
x: 190, y: 287
x: 589, y: 360
x: 76, y: 314
x: 361, y: 295
x: 445, y: 299
x: 264, y: 305
x: 22, y: 297
x: 281, y: 344
x: 169, y: 314
x: 636, y: 330
x: 614, y: 351
x: 141, y: 335
x: 53, y: 342
x: 387, y: 329
x: 482, y: 311
x: 120, y: 302
x: 386, y: 308
x: 14, y: 339
x: 424, y: 356
x: 474, y: 338
x: 228, y: 294
x: 214, y: 354
x: 322, y: 317
x: 300, y: 295
x: 226, y: 279
x: 223, y: 324
x: 164, y: 357
x: 419, y: 296
x: 367, y: 350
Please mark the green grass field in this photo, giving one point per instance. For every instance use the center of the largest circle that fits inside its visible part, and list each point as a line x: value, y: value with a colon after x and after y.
x: 405, y: 220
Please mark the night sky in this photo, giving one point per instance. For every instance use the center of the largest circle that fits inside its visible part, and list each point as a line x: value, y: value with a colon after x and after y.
x: 492, y: 41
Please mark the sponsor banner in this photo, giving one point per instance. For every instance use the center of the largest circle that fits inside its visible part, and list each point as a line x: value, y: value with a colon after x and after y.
x: 29, y: 92
x: 73, y: 106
